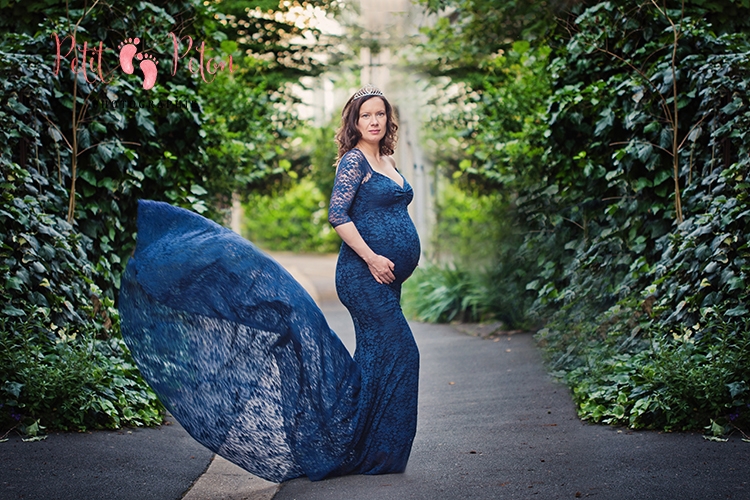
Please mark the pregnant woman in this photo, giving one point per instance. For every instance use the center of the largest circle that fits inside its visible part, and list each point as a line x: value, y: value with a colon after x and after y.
x: 242, y: 356
x: 380, y: 250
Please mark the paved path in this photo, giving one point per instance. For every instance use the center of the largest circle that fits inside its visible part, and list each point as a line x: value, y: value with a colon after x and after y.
x: 129, y: 464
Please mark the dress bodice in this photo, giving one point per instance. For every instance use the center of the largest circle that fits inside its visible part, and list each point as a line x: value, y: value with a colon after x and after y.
x: 378, y: 207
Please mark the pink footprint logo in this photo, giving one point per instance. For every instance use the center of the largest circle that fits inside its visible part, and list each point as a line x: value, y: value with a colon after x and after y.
x: 148, y: 66
x: 128, y: 50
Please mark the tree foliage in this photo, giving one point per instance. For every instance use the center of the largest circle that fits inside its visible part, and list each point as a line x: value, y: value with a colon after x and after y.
x: 295, y: 220
x: 634, y: 207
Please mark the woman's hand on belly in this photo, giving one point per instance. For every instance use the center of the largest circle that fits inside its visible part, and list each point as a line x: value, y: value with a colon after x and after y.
x: 381, y: 269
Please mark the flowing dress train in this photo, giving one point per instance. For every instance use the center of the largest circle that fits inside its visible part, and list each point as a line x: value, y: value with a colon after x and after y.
x: 242, y: 356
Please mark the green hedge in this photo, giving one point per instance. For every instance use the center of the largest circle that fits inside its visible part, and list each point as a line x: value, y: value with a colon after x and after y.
x: 63, y: 364
x: 76, y: 155
x: 632, y: 200
x: 295, y: 220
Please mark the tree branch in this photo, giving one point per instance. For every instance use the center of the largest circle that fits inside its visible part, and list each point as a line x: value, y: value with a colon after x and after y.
x: 105, y: 142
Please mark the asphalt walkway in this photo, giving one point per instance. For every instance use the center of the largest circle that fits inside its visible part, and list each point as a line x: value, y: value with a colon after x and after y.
x: 492, y: 425
x: 130, y: 464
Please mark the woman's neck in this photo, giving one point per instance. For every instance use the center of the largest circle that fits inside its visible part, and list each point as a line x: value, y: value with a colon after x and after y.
x: 369, y: 149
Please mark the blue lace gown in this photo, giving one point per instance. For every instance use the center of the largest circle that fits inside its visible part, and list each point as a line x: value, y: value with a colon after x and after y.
x: 386, y: 352
x: 242, y: 356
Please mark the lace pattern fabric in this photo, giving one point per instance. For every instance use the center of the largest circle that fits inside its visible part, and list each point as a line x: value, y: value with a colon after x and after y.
x: 353, y: 170
x: 235, y: 348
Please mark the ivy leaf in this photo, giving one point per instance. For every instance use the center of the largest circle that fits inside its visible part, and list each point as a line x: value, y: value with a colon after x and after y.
x: 665, y: 138
x: 13, y: 283
x: 733, y: 106
x: 199, y: 207
x: 16, y: 106
x: 641, y: 183
x: 10, y: 310
x: 198, y: 190
x: 644, y: 151
x: 87, y: 176
x: 651, y: 128
x: 740, y: 310
x: 695, y: 134
x: 737, y: 388
x: 105, y: 150
x: 142, y: 119
x: 736, y: 283
x: 108, y: 183
x: 54, y: 134
x: 608, y: 118
x: 84, y: 138
x: 661, y: 176
x: 13, y: 388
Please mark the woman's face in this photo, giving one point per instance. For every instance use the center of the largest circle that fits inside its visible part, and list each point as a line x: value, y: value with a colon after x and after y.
x: 372, y: 120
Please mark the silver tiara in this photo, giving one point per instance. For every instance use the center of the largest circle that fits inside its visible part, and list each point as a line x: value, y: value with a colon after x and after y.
x: 367, y: 90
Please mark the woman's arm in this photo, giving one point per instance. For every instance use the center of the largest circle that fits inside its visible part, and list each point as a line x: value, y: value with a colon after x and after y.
x: 381, y: 267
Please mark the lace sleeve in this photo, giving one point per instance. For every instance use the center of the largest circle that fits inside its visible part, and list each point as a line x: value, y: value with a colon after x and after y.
x: 349, y: 175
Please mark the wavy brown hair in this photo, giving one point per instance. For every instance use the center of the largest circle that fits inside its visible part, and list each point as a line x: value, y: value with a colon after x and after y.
x: 348, y: 136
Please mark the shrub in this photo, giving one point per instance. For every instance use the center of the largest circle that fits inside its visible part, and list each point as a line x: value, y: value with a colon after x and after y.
x: 632, y: 200
x: 70, y: 377
x: 295, y: 220
x: 63, y: 364
x: 689, y: 378
x: 441, y: 294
